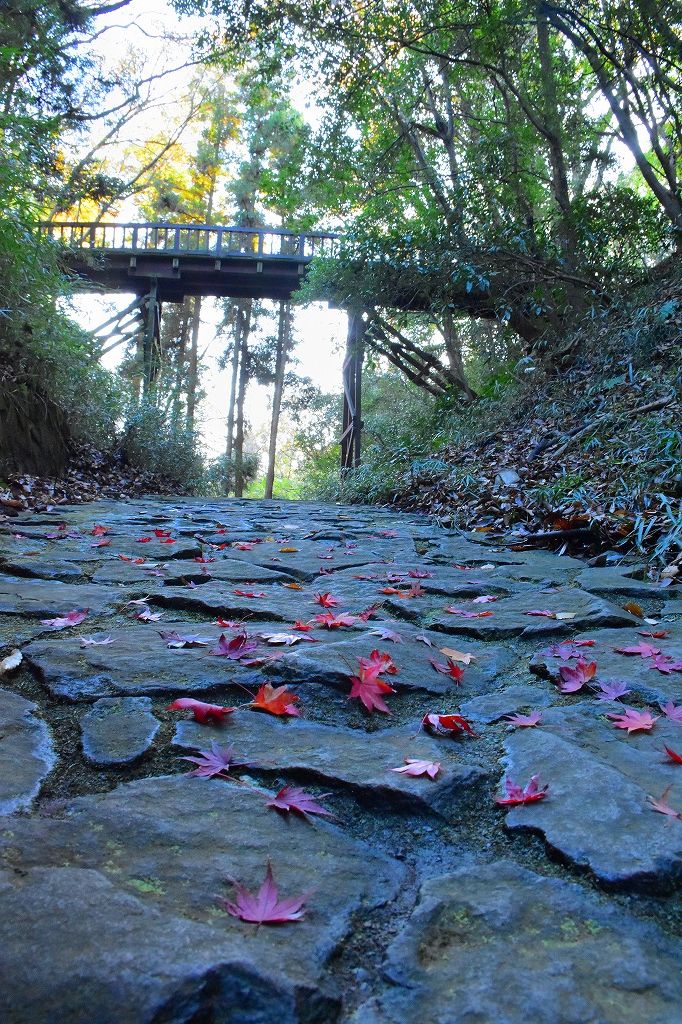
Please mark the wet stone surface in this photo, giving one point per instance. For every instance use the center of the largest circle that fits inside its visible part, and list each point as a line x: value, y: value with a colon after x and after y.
x: 425, y: 900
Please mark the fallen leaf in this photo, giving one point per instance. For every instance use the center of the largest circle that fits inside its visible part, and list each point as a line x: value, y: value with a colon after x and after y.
x: 515, y: 795
x: 238, y: 647
x: 288, y: 639
x: 264, y: 907
x: 292, y: 586
x: 612, y: 690
x: 525, y: 721
x: 544, y: 613
x: 634, y: 609
x: 665, y: 664
x: 368, y: 688
x: 11, y: 662
x: 326, y: 600
x: 672, y: 711
x: 633, y: 720
x: 332, y: 621
x: 673, y: 755
x: 484, y: 599
x: 380, y: 660
x: 215, y: 762
x: 452, y: 610
x: 456, y: 655
x: 292, y: 798
x: 387, y: 634
x: 449, y: 669
x: 413, y: 766
x: 203, y: 713
x: 277, y: 700
x: 147, y: 615
x: 574, y: 677
x: 101, y: 544
x: 657, y: 634
x: 661, y: 805
x: 178, y: 640
x: 73, y: 618
x: 642, y: 648
x: 447, y: 725
x: 227, y: 623
x: 244, y: 545
x: 90, y: 641
x: 248, y: 593
x: 99, y: 531
x: 302, y: 627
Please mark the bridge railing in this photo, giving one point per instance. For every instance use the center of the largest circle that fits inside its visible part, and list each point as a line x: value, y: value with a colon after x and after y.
x: 192, y: 239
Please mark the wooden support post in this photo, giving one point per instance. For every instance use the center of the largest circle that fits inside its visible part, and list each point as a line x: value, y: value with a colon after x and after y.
x: 149, y: 333
x: 352, y: 393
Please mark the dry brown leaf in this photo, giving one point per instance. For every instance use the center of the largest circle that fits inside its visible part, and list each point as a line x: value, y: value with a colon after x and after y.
x: 450, y: 652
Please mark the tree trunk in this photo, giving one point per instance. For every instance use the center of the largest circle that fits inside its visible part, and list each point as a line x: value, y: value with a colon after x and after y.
x: 241, y: 394
x: 453, y: 350
x: 181, y: 359
x: 193, y: 373
x: 283, y: 337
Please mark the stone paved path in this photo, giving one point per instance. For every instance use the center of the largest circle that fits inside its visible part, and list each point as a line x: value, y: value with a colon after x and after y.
x: 427, y: 902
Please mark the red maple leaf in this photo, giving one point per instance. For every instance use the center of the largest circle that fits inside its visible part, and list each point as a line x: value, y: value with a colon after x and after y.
x: 143, y: 540
x: 101, y: 544
x: 574, y: 677
x: 447, y: 725
x: 413, y: 766
x: 515, y: 795
x: 248, y: 593
x: 381, y: 660
x: 277, y: 700
x: 642, y: 648
x: 673, y: 755
x: 99, y: 531
x: 203, y: 713
x: 449, y: 669
x: 657, y: 634
x: 292, y: 798
x: 161, y: 533
x: 244, y: 545
x: 227, y: 623
x: 368, y: 688
x: 203, y: 560
x: 73, y: 618
x: 302, y: 627
x: 544, y: 613
x: 633, y: 720
x: 265, y: 906
x: 326, y: 600
x: 419, y: 574
x: 215, y: 762
x: 238, y: 647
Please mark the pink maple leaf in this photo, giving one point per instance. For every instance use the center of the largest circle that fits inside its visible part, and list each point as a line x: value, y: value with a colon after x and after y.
x: 387, y: 634
x: 525, y: 721
x: 292, y: 798
x: 665, y: 664
x: 463, y: 614
x: 265, y: 906
x: 574, y: 677
x: 612, y: 690
x: 175, y: 640
x: 73, y: 618
x: 215, y: 762
x: 203, y: 713
x: 248, y: 593
x: 661, y: 804
x: 369, y: 689
x: 413, y: 766
x: 672, y: 711
x: 633, y: 720
x: 515, y: 795
x: 642, y: 648
x: 332, y: 621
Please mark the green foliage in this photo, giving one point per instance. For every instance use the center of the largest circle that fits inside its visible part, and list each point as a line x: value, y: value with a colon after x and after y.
x: 150, y: 441
x: 217, y: 478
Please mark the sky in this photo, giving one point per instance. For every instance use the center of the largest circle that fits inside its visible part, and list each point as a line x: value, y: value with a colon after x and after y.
x: 321, y: 330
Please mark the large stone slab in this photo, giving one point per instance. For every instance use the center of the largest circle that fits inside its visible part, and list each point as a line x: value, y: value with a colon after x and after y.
x: 596, y: 813
x: 491, y: 707
x: 138, y: 662
x: 510, y: 615
x: 42, y: 599
x: 120, y: 897
x: 498, y: 944
x: 118, y: 730
x: 331, y: 661
x: 26, y: 752
x: 642, y: 678
x: 352, y: 759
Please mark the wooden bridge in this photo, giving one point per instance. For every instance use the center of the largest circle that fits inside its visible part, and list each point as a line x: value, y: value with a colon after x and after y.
x: 166, y: 262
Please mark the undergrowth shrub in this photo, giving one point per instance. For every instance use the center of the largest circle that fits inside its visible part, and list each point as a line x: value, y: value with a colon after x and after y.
x: 150, y: 441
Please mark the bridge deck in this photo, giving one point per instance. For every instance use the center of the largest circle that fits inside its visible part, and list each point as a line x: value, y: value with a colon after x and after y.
x: 184, y: 259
